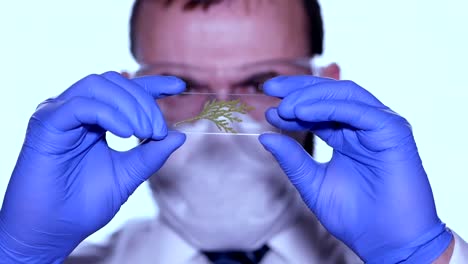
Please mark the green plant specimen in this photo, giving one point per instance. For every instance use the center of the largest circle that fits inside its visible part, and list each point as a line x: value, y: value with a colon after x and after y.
x: 221, y: 113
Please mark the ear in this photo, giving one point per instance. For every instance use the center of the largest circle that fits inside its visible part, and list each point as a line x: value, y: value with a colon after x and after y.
x: 331, y: 71
x: 125, y: 74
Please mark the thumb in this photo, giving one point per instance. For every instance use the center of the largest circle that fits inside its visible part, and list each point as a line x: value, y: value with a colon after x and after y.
x: 143, y: 161
x: 302, y: 170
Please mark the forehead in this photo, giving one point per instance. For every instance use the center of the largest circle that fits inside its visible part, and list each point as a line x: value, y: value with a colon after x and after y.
x: 230, y: 33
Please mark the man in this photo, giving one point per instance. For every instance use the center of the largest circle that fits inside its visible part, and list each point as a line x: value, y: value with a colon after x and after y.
x: 218, y: 205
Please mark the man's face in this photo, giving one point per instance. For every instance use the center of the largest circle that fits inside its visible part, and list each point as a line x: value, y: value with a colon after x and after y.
x: 210, y: 48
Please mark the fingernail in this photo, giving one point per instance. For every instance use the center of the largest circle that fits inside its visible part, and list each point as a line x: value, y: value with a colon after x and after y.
x: 161, y: 134
x: 175, y: 80
x: 274, y: 81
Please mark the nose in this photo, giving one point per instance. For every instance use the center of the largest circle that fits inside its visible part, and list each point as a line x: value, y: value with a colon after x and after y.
x: 222, y: 92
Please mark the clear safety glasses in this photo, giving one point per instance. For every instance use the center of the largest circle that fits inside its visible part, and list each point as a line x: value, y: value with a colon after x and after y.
x: 223, y: 101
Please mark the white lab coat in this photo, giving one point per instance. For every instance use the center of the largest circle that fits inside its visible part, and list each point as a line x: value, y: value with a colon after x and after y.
x: 152, y: 241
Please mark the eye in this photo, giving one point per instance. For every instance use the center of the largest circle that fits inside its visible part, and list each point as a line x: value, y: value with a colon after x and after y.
x: 257, y: 85
x: 191, y: 85
x: 195, y: 88
x: 256, y: 82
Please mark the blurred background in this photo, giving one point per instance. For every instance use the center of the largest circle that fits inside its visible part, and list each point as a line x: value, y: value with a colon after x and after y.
x: 410, y: 54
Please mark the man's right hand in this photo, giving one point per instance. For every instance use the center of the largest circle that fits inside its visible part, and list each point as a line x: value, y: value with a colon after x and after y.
x: 67, y: 182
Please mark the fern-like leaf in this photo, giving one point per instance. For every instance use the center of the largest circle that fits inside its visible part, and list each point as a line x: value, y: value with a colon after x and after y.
x: 221, y: 114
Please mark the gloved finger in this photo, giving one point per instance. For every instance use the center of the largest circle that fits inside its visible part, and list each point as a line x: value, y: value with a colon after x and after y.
x: 99, y: 88
x: 321, y: 129
x: 144, y: 98
x: 332, y: 90
x: 353, y: 114
x: 143, y: 161
x: 161, y: 86
x: 273, y: 118
x: 82, y: 110
x: 282, y: 86
x: 302, y: 170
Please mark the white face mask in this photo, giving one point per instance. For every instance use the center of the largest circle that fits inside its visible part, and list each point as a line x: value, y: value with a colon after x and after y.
x: 224, y: 191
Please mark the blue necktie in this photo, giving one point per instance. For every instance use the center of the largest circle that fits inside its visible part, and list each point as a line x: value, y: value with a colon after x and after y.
x: 237, y: 257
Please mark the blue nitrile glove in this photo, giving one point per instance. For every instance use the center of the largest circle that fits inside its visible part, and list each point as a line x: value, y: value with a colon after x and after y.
x: 373, y: 194
x: 67, y: 182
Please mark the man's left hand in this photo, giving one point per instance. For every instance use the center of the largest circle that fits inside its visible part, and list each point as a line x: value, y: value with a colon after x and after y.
x: 374, y: 193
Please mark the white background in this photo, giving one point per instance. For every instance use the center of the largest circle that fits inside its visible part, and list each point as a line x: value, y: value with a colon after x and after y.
x: 411, y: 54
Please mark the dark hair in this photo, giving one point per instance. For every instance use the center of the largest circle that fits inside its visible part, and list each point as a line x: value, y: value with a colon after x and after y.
x: 312, y: 8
